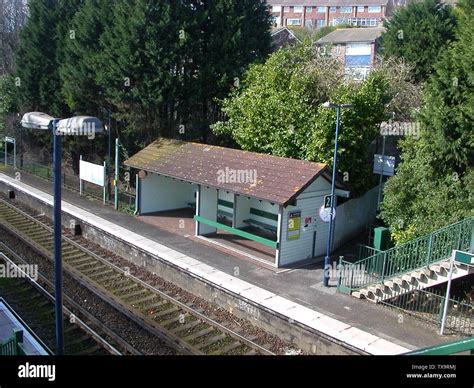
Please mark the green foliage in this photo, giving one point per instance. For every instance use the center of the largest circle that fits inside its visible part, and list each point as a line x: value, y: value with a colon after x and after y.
x: 433, y: 185
x: 80, y: 90
x: 277, y: 110
x: 6, y: 100
x: 40, y: 52
x: 418, y: 33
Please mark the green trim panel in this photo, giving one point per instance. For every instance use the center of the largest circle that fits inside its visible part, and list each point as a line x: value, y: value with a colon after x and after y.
x: 445, y: 349
x: 237, y: 232
x: 225, y: 203
x: 264, y: 214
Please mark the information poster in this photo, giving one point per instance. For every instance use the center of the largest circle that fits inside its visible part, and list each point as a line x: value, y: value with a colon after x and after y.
x: 294, y: 225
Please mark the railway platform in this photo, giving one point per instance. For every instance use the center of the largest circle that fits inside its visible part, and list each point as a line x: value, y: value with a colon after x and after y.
x: 296, y: 293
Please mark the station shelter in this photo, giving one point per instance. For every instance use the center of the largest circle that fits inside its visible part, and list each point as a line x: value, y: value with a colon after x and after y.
x: 269, y: 204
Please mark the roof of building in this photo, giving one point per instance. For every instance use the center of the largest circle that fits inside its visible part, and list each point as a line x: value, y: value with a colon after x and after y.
x: 329, y: 3
x: 278, y: 30
x: 345, y: 35
x: 278, y: 180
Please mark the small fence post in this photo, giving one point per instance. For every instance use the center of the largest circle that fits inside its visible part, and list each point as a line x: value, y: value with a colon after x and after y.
x: 430, y: 247
x: 383, y: 266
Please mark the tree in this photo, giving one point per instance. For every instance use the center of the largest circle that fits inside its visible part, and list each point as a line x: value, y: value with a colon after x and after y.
x: 13, y: 15
x: 230, y: 36
x: 433, y: 184
x: 277, y: 110
x: 39, y: 55
x: 162, y: 65
x: 418, y: 33
x: 81, y: 58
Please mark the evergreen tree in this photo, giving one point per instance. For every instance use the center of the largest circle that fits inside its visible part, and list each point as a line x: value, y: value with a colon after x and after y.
x: 36, y: 59
x: 418, y: 33
x: 40, y: 52
x: 81, y: 58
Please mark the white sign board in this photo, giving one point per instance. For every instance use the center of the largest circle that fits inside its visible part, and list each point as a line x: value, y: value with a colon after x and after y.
x: 325, y: 213
x: 93, y: 173
x: 388, y: 164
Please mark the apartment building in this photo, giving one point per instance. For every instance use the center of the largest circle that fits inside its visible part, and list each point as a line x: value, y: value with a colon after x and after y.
x: 320, y: 13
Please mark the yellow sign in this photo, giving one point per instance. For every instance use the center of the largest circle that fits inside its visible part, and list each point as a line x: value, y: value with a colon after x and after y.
x: 294, y: 225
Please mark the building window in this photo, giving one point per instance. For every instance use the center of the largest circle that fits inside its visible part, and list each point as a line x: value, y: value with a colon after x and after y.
x: 360, y: 8
x: 293, y: 22
x: 373, y: 22
x: 346, y: 9
x: 338, y: 49
x: 286, y: 9
x: 375, y: 8
x: 320, y: 23
x: 332, y: 9
x: 308, y: 23
x: 309, y: 9
x: 276, y: 8
x: 298, y: 9
x: 322, y: 9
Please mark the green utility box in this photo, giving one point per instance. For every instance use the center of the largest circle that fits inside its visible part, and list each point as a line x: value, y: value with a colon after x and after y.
x: 382, y: 240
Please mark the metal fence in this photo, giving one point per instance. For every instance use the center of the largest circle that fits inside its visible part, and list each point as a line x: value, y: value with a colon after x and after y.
x: 428, y: 306
x: 126, y: 199
x: 13, y: 345
x: 406, y: 257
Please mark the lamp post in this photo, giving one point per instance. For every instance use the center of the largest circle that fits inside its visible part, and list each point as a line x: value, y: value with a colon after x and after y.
x: 80, y: 125
x: 327, y: 263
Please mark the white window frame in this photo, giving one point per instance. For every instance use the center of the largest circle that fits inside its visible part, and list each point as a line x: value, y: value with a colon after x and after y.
x: 374, y: 9
x: 320, y: 23
x: 321, y: 9
x: 291, y: 22
x: 373, y: 22
x: 298, y: 9
x: 332, y: 8
x: 309, y: 9
x: 276, y: 8
x: 361, y: 8
x: 346, y: 9
x: 286, y: 8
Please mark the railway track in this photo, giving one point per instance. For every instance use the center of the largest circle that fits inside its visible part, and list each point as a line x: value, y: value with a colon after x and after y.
x: 177, y: 323
x: 35, y: 304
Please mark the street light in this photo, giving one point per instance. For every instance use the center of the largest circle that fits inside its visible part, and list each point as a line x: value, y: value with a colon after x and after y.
x: 327, y: 264
x: 80, y: 125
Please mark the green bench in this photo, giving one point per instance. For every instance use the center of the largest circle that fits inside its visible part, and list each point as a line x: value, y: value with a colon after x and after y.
x: 261, y: 225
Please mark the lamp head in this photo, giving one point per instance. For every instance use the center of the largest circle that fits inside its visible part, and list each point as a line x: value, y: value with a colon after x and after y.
x: 37, y: 120
x: 80, y: 125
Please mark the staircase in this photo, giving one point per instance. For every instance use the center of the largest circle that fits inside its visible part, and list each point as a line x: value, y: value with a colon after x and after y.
x: 417, y: 264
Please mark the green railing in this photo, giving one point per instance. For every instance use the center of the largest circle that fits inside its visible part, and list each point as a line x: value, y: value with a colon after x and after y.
x: 13, y: 345
x: 237, y: 232
x: 406, y: 257
x: 446, y: 349
x: 366, y: 251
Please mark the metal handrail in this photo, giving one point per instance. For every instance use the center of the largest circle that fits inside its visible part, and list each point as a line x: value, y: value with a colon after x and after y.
x: 411, y: 255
